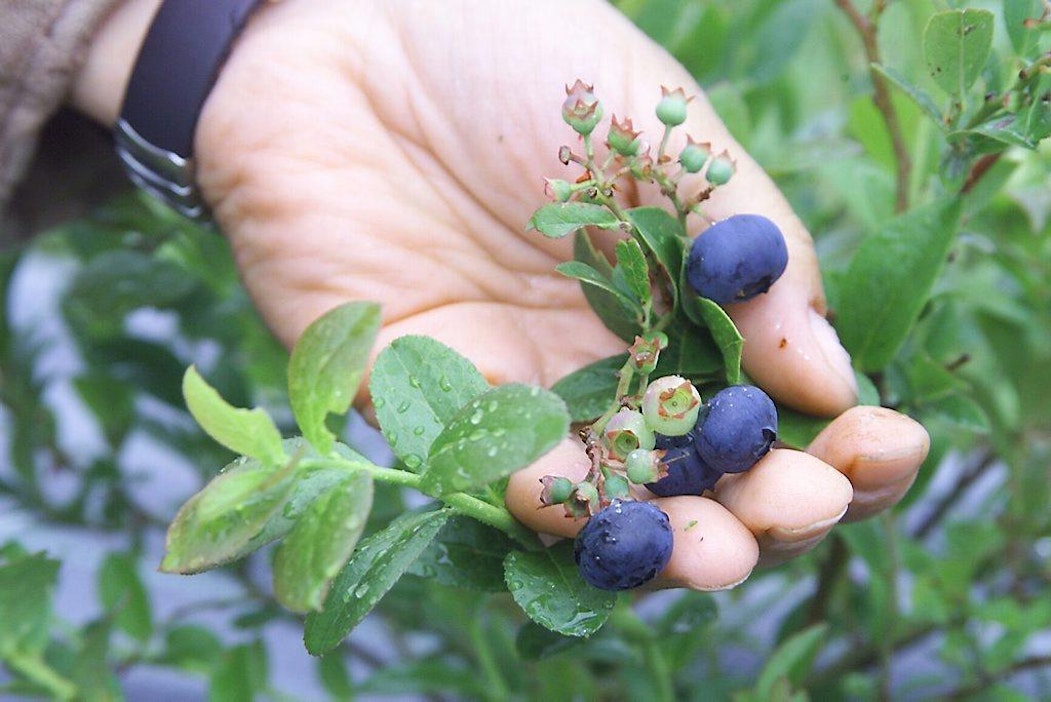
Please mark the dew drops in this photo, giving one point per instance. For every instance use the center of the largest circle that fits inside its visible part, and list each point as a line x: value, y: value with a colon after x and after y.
x: 412, y: 461
x: 444, y: 384
x: 379, y: 402
x: 418, y: 431
x: 403, y: 407
x: 414, y: 381
x: 492, y: 451
x: 477, y: 416
x: 392, y: 438
x: 493, y: 405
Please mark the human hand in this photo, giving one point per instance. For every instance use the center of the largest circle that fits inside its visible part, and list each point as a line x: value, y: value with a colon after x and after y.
x: 394, y: 152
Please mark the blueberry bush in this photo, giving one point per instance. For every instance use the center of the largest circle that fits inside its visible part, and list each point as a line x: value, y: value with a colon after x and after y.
x: 912, y: 140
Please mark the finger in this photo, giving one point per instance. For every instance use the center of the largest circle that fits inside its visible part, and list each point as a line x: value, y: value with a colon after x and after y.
x: 712, y: 550
x: 789, y: 501
x: 879, y: 450
x: 790, y: 348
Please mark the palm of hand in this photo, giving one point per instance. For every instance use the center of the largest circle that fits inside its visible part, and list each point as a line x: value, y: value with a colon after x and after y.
x: 364, y: 157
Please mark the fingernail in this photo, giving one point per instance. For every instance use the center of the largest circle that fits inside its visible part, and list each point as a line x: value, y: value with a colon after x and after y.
x: 836, y: 358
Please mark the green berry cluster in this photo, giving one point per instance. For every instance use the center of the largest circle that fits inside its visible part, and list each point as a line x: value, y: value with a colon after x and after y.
x: 628, y: 156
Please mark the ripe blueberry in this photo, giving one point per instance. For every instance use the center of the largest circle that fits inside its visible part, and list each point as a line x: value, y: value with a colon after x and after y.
x: 739, y: 427
x: 688, y: 473
x: 624, y: 545
x: 736, y: 259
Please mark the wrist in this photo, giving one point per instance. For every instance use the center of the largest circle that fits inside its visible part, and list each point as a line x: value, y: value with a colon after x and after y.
x: 98, y: 89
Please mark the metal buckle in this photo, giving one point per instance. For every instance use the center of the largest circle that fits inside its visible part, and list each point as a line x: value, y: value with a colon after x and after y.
x: 164, y: 174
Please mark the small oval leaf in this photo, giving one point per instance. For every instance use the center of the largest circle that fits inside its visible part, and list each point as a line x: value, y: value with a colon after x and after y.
x: 548, y: 587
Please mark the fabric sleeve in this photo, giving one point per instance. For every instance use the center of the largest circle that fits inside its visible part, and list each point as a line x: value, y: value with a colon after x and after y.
x: 42, y: 45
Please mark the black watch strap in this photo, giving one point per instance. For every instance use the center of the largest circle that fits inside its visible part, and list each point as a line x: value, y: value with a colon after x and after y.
x: 176, y: 68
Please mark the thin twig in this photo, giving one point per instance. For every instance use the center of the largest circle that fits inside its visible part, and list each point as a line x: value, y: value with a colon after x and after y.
x: 867, y: 28
x: 980, y: 168
x: 977, y: 468
x: 832, y: 571
x: 969, y: 691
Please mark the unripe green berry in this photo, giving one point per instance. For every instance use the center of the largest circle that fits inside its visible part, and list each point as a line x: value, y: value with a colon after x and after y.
x: 581, y: 110
x: 720, y: 170
x: 642, y: 466
x: 626, y: 431
x: 671, y: 110
x: 671, y: 405
x: 583, y: 501
x: 556, y: 489
x: 693, y: 157
x: 623, y: 138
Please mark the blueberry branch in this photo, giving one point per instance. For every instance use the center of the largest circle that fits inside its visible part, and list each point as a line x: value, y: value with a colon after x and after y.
x: 495, y: 516
x: 867, y: 29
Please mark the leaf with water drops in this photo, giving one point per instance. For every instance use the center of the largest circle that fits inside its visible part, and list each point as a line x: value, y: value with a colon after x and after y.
x: 495, y: 434
x: 222, y: 522
x: 248, y: 432
x: 548, y: 587
x: 418, y: 385
x: 321, y: 542
x: 370, y: 573
x: 326, y: 367
x: 466, y: 554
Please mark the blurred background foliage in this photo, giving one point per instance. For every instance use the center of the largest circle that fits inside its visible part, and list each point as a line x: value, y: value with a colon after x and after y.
x: 945, y: 598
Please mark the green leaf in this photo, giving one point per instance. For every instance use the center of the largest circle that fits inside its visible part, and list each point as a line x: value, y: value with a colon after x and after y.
x: 624, y: 322
x: 466, y: 554
x: 248, y: 505
x: 691, y: 353
x: 561, y: 218
x: 868, y: 393
x: 962, y: 411
x: 589, y: 276
x: 1003, y: 130
x: 791, y: 660
x: 321, y: 542
x: 889, y: 280
x: 632, y: 264
x: 535, y: 643
x: 665, y: 238
x: 494, y: 435
x: 123, y: 594
x: 333, y: 673
x: 796, y: 429
x: 589, y: 391
x: 223, y: 521
x: 190, y: 647
x: 378, y: 563
x: 956, y: 44
x: 418, y: 385
x: 919, y: 96
x: 240, y: 674
x: 326, y: 367
x: 724, y: 333
x: 90, y: 671
x: 26, y: 586
x: 548, y: 587
x: 115, y: 282
x: 247, y: 432
x: 1016, y: 12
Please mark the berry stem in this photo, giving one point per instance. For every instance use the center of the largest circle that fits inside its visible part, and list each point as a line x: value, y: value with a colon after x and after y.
x: 494, y: 515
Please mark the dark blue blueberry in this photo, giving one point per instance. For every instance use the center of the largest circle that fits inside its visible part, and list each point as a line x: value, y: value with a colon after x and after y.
x: 623, y: 545
x: 736, y: 259
x: 738, y: 428
x: 688, y: 474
